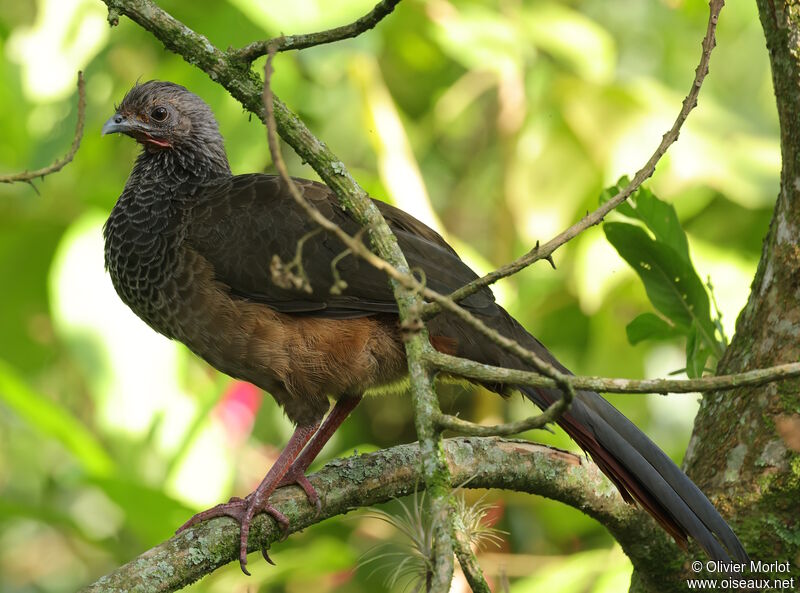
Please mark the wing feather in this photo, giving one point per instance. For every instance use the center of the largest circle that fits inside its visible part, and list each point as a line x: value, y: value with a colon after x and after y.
x: 242, y: 223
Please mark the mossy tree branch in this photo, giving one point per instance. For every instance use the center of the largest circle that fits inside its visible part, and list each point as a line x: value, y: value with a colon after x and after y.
x: 371, y: 479
x: 257, y: 49
x: 469, y: 562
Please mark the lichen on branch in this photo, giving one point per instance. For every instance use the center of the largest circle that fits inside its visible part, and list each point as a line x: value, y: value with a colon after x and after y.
x: 370, y: 479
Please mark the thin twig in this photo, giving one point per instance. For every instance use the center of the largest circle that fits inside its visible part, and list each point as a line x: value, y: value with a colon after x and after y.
x: 354, y: 244
x: 338, y: 283
x: 469, y: 564
x: 546, y: 250
x: 466, y: 428
x: 255, y: 50
x: 483, y: 372
x: 292, y: 274
x: 29, y: 176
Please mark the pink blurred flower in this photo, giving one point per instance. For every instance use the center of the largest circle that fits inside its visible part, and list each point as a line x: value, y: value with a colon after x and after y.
x: 237, y: 409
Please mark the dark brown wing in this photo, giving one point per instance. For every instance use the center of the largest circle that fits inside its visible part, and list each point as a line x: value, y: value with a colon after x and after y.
x: 240, y: 224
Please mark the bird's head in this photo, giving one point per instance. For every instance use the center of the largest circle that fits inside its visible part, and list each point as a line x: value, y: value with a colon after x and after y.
x: 164, y: 116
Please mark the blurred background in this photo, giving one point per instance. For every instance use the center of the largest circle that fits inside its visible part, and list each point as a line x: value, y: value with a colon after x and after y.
x: 496, y: 121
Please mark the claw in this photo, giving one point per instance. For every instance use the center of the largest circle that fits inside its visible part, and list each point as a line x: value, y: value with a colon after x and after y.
x: 243, y: 510
x: 265, y: 554
x: 232, y: 509
x: 299, y: 479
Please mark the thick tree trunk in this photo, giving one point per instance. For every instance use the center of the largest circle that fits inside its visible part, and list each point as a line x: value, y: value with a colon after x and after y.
x: 744, y: 449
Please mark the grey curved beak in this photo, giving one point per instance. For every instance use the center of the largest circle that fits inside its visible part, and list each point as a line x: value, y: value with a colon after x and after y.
x: 116, y: 123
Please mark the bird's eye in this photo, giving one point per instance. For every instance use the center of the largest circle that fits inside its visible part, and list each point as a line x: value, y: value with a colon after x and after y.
x: 159, y: 114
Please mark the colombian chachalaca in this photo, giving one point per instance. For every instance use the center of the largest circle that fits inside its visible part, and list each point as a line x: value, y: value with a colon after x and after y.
x: 189, y: 248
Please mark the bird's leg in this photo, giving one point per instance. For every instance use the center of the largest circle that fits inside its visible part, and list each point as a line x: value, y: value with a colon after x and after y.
x: 296, y: 473
x: 244, y: 509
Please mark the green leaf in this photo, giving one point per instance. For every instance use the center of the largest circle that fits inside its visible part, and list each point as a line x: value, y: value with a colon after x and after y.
x: 671, y: 283
x: 649, y: 326
x: 697, y: 353
x: 53, y: 421
x: 661, y: 218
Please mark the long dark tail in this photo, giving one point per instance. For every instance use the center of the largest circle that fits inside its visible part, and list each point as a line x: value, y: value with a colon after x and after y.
x: 641, y: 471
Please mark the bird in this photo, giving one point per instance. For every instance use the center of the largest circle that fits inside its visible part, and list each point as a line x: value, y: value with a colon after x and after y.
x: 197, y: 252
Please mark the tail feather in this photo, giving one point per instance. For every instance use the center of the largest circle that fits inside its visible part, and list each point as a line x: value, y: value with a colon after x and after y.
x: 671, y: 473
x: 639, y: 469
x: 642, y: 472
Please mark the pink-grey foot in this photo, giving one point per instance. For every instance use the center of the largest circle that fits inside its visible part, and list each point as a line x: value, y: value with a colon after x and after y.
x: 244, y: 509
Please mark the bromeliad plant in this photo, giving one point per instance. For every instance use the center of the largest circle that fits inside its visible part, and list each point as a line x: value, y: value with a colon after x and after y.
x: 410, y: 560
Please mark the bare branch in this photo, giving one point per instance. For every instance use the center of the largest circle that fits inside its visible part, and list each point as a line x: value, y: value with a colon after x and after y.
x: 466, y: 428
x: 482, y: 372
x: 562, y: 380
x: 255, y: 50
x: 546, y: 250
x: 29, y: 176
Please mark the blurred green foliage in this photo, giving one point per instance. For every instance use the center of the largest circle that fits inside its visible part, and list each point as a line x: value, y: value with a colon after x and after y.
x: 499, y: 122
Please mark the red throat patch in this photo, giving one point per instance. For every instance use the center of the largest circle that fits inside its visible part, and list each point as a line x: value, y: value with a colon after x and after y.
x: 156, y: 141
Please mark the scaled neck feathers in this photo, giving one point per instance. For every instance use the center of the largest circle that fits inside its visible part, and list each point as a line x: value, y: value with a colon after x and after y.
x: 143, y: 232
x: 180, y: 167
